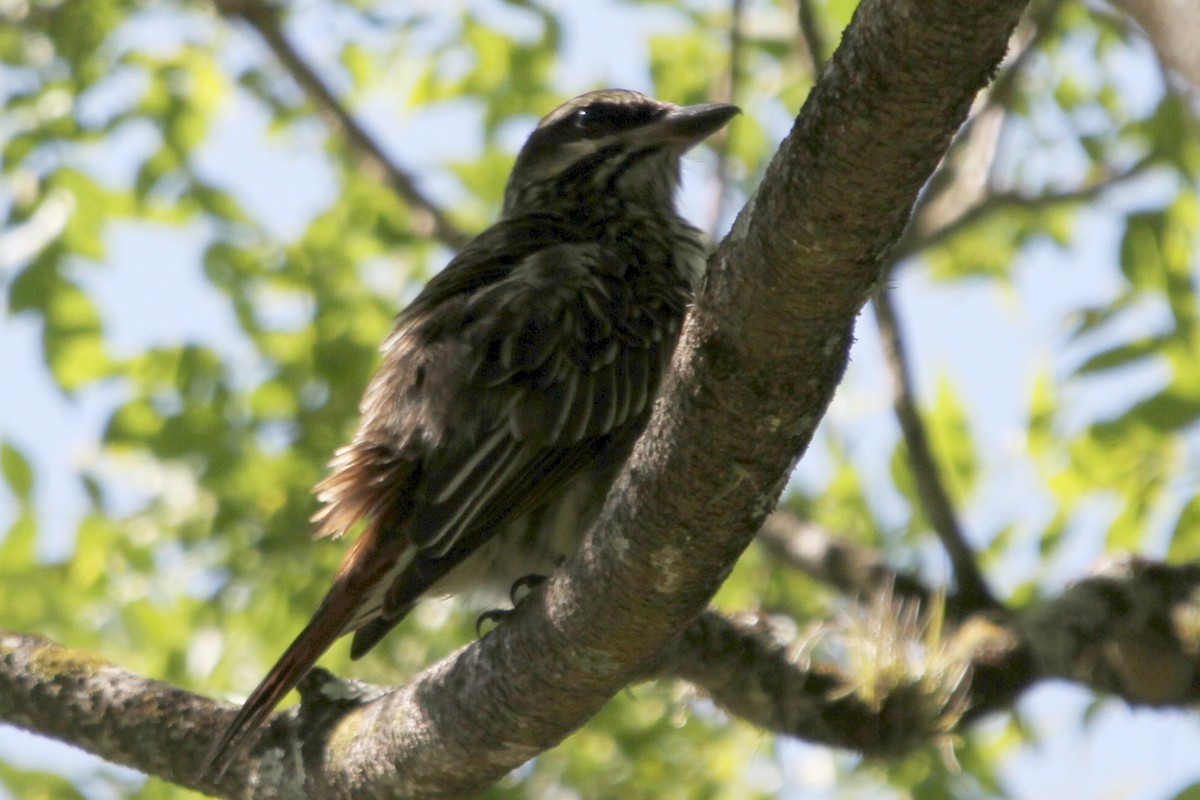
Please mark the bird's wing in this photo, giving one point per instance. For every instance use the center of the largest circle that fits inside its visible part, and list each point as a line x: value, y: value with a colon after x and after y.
x: 541, y: 365
x: 406, y: 407
x: 550, y: 349
x: 565, y: 379
x: 375, y: 479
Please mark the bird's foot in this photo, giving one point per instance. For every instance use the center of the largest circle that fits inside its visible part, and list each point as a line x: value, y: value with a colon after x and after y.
x: 521, y: 589
x: 490, y: 618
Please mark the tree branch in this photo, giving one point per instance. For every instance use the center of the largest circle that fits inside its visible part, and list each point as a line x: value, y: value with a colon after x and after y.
x: 759, y: 358
x: 732, y: 90
x: 958, y: 196
x: 428, y: 218
x: 1168, y: 26
x: 1132, y: 630
x: 961, y: 181
x: 914, y: 240
x: 973, y: 591
x: 810, y: 33
x: 928, y: 229
x: 958, y: 183
x: 851, y: 569
x: 81, y: 699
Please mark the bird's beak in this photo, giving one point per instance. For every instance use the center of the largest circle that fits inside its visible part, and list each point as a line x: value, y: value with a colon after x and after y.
x: 687, y: 126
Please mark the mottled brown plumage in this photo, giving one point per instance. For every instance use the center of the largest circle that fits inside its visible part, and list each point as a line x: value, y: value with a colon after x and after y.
x: 514, y: 386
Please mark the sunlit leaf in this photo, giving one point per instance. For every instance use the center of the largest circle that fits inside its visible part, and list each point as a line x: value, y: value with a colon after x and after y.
x: 951, y: 440
x: 18, y: 473
x: 1185, y: 539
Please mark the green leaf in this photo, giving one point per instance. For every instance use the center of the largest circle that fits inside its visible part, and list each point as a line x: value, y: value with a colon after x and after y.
x: 1185, y: 539
x: 18, y: 548
x: 95, y: 548
x: 135, y: 422
x: 95, y: 206
x: 359, y: 63
x: 1140, y: 255
x: 1052, y: 536
x: 35, y: 284
x: 1165, y: 412
x: 18, y: 474
x: 685, y: 67
x: 37, y: 785
x: 1041, y: 433
x: 485, y: 178
x: 951, y: 441
x: 72, y: 337
x: 1188, y: 793
x: 1122, y: 355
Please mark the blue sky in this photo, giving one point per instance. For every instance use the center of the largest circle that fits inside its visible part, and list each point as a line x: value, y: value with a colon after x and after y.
x: 990, y: 344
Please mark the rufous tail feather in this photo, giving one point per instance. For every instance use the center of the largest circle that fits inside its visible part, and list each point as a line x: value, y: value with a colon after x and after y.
x: 365, y: 564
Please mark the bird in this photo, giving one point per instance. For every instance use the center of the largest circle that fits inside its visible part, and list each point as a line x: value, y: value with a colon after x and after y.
x: 513, y: 387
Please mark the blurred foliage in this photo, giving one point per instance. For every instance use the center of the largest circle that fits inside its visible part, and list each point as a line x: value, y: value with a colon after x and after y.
x: 191, y: 561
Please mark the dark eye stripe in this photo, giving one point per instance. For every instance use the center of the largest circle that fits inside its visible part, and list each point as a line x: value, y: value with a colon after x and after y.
x: 607, y: 117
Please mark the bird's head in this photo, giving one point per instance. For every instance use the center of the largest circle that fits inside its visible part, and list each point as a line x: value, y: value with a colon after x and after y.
x: 613, y: 144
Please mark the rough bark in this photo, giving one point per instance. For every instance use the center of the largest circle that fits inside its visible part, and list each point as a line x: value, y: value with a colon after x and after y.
x: 759, y: 360
x: 1131, y: 630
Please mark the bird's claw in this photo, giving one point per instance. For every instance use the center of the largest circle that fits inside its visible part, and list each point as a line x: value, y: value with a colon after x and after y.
x: 495, y: 616
x: 520, y: 590
x: 522, y: 587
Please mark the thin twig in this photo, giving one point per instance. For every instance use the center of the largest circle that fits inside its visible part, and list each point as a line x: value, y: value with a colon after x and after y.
x: 850, y: 568
x: 722, y: 144
x: 973, y: 590
x: 814, y: 40
x: 1035, y: 29
x: 929, y: 228
x: 950, y: 192
x: 935, y: 500
x: 428, y: 218
x: 915, y: 240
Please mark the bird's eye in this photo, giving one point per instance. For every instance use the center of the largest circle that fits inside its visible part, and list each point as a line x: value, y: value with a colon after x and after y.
x: 602, y: 119
x: 597, y: 120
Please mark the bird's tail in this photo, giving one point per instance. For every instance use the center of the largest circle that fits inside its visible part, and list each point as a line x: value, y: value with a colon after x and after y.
x: 367, y: 563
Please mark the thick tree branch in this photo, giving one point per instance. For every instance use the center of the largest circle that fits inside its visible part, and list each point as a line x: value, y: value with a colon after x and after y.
x: 759, y: 359
x: 428, y: 218
x: 80, y: 698
x: 1132, y: 631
